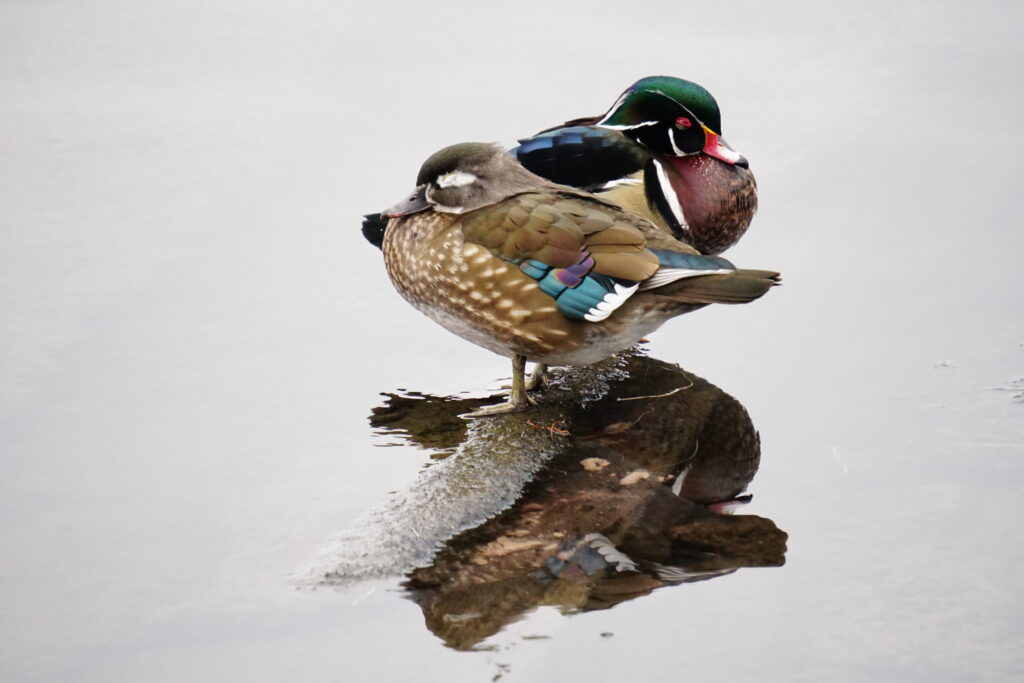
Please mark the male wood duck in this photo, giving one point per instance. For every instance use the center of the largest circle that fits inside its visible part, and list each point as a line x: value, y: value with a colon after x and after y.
x: 543, y: 272
x: 658, y: 152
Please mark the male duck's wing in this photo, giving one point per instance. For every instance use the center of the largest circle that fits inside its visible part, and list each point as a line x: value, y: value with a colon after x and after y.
x: 580, y: 155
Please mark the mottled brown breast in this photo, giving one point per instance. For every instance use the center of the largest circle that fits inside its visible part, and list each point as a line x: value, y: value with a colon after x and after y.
x: 470, y: 291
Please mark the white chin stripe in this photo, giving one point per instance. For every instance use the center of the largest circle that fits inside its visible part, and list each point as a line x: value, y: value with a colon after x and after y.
x: 455, y: 179
x: 672, y: 141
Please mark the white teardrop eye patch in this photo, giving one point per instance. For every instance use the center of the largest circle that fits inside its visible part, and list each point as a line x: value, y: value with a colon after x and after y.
x: 455, y: 179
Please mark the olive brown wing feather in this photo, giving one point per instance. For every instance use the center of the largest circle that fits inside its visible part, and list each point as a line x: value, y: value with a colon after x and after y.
x: 590, y: 257
x: 557, y: 228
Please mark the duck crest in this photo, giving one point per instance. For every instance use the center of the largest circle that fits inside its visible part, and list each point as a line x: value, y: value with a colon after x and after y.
x: 628, y: 108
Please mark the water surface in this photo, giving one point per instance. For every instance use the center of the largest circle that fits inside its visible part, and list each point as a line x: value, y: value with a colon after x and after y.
x: 194, y: 333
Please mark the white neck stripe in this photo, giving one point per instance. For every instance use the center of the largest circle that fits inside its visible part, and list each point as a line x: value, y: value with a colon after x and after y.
x: 670, y: 194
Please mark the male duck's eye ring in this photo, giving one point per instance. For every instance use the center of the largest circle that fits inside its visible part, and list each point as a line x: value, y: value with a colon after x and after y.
x: 683, y: 122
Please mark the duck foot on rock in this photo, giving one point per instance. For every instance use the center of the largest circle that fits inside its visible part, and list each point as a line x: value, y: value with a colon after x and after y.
x: 518, y: 400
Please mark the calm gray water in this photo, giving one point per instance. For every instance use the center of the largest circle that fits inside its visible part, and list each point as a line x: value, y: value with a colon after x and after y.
x: 193, y: 332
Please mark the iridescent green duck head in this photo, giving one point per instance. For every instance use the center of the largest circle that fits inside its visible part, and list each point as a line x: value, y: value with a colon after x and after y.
x: 464, y: 177
x: 671, y: 117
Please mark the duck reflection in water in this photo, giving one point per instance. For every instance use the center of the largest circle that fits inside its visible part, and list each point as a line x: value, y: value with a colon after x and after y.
x: 635, y: 498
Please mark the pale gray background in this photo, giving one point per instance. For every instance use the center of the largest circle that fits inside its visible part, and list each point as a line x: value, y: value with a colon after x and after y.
x: 192, y: 330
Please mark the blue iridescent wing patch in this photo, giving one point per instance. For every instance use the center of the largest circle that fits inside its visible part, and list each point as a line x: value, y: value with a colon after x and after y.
x: 581, y: 156
x: 580, y: 293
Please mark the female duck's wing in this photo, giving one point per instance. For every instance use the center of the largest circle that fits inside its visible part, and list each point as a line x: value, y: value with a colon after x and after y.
x: 588, y: 256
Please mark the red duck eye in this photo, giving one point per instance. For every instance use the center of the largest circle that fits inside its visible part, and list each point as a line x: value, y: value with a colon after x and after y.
x: 683, y: 122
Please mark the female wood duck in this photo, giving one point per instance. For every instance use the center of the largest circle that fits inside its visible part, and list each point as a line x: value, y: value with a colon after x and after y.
x: 542, y: 272
x: 658, y: 152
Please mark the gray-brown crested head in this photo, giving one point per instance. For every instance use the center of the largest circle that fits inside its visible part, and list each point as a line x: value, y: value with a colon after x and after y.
x: 468, y: 176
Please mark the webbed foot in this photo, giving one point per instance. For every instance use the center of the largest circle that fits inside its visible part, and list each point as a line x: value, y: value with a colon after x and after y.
x: 517, y: 398
x: 505, y: 408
